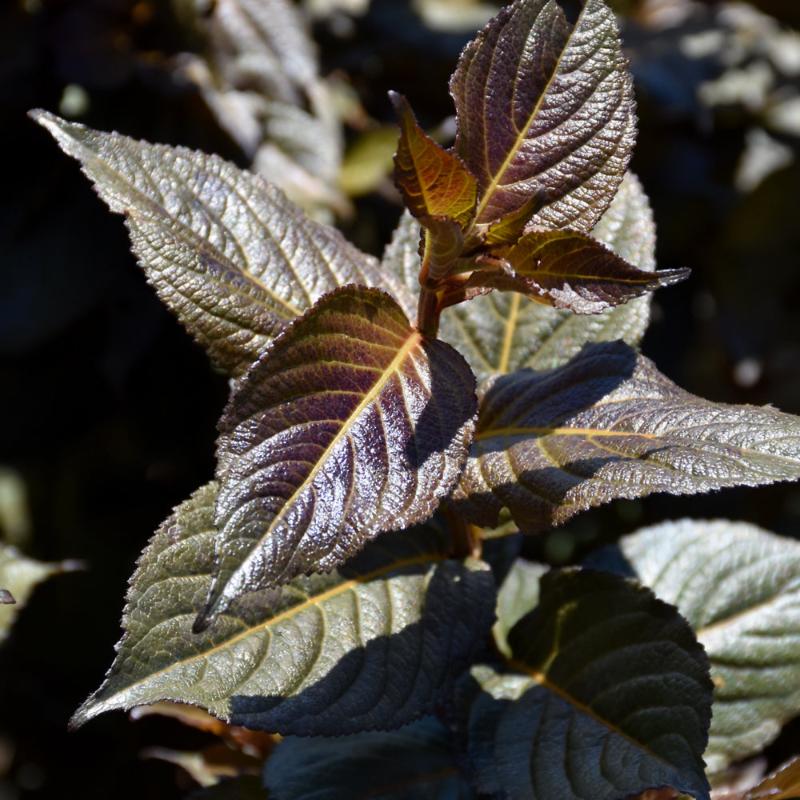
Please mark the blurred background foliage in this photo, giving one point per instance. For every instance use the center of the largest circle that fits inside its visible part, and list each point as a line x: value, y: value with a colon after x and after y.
x: 109, y: 409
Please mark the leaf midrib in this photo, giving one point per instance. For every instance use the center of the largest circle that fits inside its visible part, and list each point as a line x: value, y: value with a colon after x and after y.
x: 522, y: 135
x: 414, y: 339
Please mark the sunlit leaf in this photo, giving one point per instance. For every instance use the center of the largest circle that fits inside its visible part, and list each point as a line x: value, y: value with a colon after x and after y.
x: 352, y: 424
x: 739, y: 588
x: 371, y: 646
x: 227, y: 252
x: 783, y: 784
x: 570, y: 270
x: 503, y: 332
x: 545, y: 107
x: 433, y: 181
x: 608, y: 425
x: 417, y: 762
x: 609, y: 697
x: 518, y: 595
x: 19, y: 576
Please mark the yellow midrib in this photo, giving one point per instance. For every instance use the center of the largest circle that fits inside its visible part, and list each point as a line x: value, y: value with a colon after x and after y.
x: 341, y: 588
x: 547, y: 431
x: 508, y: 335
x: 522, y: 134
x: 542, y: 680
x: 414, y: 339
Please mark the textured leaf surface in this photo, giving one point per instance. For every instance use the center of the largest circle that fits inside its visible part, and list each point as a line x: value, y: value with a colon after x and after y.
x: 502, y: 332
x: 611, y: 697
x: 433, y: 181
x: 545, y: 108
x: 571, y: 270
x: 227, y: 252
x: 352, y: 424
x: 414, y: 763
x: 610, y: 425
x: 373, y: 645
x: 518, y: 596
x: 739, y: 587
x: 19, y: 576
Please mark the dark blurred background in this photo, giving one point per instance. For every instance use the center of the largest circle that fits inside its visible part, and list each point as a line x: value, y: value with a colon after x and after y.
x: 108, y: 407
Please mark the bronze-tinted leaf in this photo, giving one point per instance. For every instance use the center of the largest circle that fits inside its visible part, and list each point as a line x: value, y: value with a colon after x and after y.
x: 545, y: 106
x: 351, y: 424
x: 442, y: 244
x: 372, y: 645
x: 610, y: 425
x: 226, y: 251
x: 570, y: 270
x: 433, y: 181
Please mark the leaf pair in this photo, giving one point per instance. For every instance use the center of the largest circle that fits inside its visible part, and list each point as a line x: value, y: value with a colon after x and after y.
x: 546, y: 125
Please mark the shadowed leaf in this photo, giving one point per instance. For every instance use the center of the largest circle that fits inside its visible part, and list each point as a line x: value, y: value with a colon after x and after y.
x: 609, y: 425
x: 433, y: 182
x: 545, y: 108
x: 417, y: 762
x: 351, y: 424
x: 610, y: 697
x: 739, y: 588
x: 227, y: 252
x: 570, y: 270
x: 246, y: 787
x: 373, y: 645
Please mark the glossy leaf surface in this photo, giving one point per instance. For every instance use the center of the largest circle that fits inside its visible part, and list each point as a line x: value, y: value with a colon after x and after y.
x: 226, y: 251
x: 739, y: 587
x: 351, y: 424
x: 610, y: 697
x: 502, y: 332
x: 373, y: 645
x: 573, y: 271
x: 433, y: 181
x: 417, y: 762
x: 545, y: 107
x: 609, y: 425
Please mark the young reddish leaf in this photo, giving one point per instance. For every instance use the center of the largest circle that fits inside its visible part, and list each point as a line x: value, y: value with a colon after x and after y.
x: 351, y: 424
x: 609, y: 425
x: 433, y: 182
x: 570, y: 270
x: 509, y: 227
x: 441, y: 244
x: 545, y: 106
x: 225, y: 250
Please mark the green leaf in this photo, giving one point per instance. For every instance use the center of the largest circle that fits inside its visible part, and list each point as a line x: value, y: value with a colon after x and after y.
x: 352, y: 424
x: 610, y: 697
x: 371, y: 646
x: 609, y: 425
x: 570, y: 270
x: 417, y: 762
x: 739, y: 588
x: 433, y: 181
x: 545, y: 107
x: 503, y: 332
x: 518, y: 595
x: 226, y: 251
x: 19, y: 576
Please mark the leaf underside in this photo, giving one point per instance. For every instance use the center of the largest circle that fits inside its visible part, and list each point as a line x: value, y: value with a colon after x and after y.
x: 517, y: 596
x: 350, y: 425
x: 371, y: 646
x: 503, y: 331
x: 545, y: 108
x: 739, y: 588
x: 610, y: 697
x: 416, y: 762
x: 608, y: 425
x: 225, y: 251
